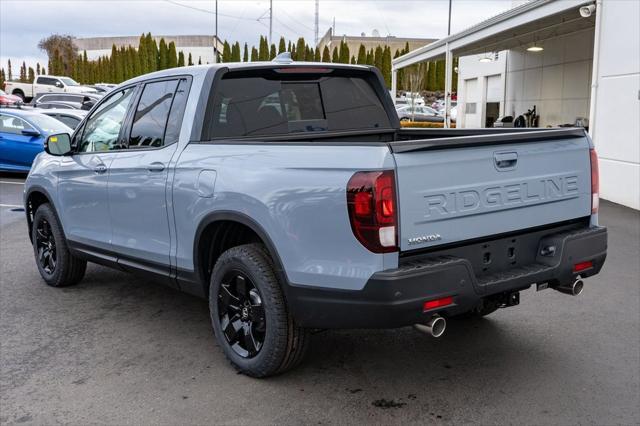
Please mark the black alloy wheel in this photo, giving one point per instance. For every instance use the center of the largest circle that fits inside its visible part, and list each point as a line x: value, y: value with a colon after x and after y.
x: 241, y: 314
x: 46, y: 246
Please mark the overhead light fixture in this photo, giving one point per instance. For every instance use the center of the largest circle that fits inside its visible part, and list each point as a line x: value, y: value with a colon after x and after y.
x: 535, y: 48
x: 486, y: 58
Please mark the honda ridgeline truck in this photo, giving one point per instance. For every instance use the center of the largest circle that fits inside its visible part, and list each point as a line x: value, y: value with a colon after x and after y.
x: 288, y: 196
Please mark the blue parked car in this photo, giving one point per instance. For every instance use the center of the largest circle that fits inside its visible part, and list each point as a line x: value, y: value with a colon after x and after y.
x: 22, y: 136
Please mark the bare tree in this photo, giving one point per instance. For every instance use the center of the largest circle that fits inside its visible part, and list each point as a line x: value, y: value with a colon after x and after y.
x: 64, y: 45
x: 415, y: 77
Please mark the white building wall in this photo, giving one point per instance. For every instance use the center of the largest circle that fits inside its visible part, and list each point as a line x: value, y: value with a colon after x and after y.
x: 557, y: 80
x: 475, y: 80
x: 206, y: 53
x: 616, y: 132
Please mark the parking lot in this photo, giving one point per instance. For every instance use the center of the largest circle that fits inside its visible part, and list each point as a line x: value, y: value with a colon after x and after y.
x: 118, y: 349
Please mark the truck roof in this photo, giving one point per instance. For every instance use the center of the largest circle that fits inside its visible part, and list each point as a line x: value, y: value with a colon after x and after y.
x: 196, y: 70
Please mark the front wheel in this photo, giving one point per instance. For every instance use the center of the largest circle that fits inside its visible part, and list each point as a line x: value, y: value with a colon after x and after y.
x: 57, y: 266
x: 249, y: 314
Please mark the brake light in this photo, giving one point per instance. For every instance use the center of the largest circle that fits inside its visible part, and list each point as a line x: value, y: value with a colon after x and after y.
x: 595, y: 182
x: 437, y: 303
x: 303, y: 70
x: 371, y: 202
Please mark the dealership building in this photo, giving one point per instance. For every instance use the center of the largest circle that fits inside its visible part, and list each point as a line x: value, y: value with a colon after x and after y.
x: 201, y: 47
x: 576, y: 61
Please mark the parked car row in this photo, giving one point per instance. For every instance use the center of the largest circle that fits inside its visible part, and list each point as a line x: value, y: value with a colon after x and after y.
x: 24, y: 128
x: 45, y: 84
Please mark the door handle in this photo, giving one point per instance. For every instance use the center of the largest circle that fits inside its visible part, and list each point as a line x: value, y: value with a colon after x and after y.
x: 505, y: 160
x: 156, y: 167
x: 100, y: 169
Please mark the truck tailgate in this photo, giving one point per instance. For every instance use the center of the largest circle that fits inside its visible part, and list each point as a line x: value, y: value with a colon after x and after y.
x: 461, y: 191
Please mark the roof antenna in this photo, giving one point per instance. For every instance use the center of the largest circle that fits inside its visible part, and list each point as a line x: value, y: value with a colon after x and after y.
x: 283, y: 58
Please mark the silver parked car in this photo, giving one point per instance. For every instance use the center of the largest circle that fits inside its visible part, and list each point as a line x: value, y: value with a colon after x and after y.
x: 419, y: 113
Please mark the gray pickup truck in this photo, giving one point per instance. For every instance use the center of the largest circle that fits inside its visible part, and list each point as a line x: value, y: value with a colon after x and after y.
x: 288, y: 196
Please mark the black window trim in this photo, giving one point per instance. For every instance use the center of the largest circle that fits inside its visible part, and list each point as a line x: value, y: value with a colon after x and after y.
x: 81, y: 127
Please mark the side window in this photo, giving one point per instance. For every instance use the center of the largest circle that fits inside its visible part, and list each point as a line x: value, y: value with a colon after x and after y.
x: 48, y: 81
x: 68, y: 120
x: 13, y: 125
x: 150, y: 119
x: 103, y: 127
x: 174, y: 123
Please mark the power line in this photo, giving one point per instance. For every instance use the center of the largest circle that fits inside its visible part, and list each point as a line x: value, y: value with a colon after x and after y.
x: 208, y: 11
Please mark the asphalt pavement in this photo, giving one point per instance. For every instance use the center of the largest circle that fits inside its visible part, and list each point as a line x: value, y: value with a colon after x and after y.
x: 118, y: 349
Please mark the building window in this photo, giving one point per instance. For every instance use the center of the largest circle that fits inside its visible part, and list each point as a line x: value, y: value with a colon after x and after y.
x: 470, y: 108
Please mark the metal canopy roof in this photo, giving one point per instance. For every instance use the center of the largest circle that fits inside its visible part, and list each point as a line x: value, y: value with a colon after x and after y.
x: 531, y: 22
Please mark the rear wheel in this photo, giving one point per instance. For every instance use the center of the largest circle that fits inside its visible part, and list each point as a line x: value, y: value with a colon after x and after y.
x: 57, y: 266
x: 249, y: 314
x: 19, y: 94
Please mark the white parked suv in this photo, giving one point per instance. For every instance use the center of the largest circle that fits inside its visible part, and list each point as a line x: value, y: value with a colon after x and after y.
x: 45, y: 84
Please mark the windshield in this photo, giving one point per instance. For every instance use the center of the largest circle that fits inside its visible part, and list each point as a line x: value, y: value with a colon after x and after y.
x: 69, y: 81
x: 48, y: 124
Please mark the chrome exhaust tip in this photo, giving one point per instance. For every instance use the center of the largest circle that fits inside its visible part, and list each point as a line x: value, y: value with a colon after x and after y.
x: 434, y: 327
x: 573, y: 289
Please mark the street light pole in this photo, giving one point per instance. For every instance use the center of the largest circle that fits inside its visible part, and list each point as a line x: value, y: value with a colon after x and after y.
x: 449, y: 26
x: 215, y: 38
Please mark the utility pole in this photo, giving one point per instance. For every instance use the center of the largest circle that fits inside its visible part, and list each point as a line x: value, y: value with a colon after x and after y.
x: 449, y: 26
x: 270, y: 21
x: 317, y: 26
x: 215, y: 38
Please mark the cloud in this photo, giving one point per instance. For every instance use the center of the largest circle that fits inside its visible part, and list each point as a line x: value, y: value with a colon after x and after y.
x: 238, y: 19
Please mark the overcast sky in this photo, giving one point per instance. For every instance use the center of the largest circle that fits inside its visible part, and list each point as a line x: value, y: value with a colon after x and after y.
x: 24, y: 22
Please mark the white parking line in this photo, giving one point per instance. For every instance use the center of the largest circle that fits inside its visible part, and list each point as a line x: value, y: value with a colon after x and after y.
x: 11, y: 183
x: 11, y: 206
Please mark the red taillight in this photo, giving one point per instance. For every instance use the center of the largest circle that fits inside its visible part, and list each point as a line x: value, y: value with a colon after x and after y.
x: 437, y: 303
x: 595, y: 182
x: 371, y: 201
x: 578, y: 267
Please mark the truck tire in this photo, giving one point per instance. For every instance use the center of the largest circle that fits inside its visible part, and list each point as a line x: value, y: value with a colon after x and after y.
x: 57, y: 266
x: 19, y: 94
x: 249, y: 314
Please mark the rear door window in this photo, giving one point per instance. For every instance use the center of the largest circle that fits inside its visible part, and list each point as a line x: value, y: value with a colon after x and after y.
x: 150, y: 119
x: 273, y: 104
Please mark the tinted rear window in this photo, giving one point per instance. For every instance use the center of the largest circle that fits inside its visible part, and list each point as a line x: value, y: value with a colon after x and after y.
x: 273, y: 104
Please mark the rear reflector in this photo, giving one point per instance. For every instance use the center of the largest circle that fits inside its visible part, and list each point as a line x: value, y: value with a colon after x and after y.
x: 437, y: 303
x: 595, y: 182
x: 582, y: 266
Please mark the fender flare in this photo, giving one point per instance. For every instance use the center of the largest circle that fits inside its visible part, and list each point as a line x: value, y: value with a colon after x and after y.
x: 43, y: 191
x: 235, y: 216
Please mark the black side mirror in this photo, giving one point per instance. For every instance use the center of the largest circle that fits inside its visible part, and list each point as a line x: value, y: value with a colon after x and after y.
x: 58, y: 145
x: 58, y: 84
x: 30, y: 132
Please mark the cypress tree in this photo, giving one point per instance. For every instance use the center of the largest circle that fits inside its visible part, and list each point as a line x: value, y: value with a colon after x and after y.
x: 334, y: 55
x: 293, y: 52
x: 370, y: 57
x: 226, y: 52
x: 289, y: 46
x: 310, y: 55
x: 344, y: 54
x: 181, y: 59
x: 353, y: 60
x: 316, y: 55
x: 386, y: 65
x: 245, y: 55
x: 172, y: 60
x: 282, y: 46
x: 272, y: 51
x: 153, y: 53
x: 190, y: 60
x: 440, y: 77
x: 263, y: 49
x: 362, y: 54
x: 37, y: 68
x: 300, y: 49
x: 326, y: 56
x: 199, y: 60
x: 254, y: 54
x: 3, y: 77
x: 377, y: 58
x: 163, y: 55
x: 32, y: 75
x: 23, y: 72
x: 9, y: 72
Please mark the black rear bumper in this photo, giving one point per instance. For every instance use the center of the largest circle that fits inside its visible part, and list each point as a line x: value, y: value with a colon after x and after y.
x: 395, y: 298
